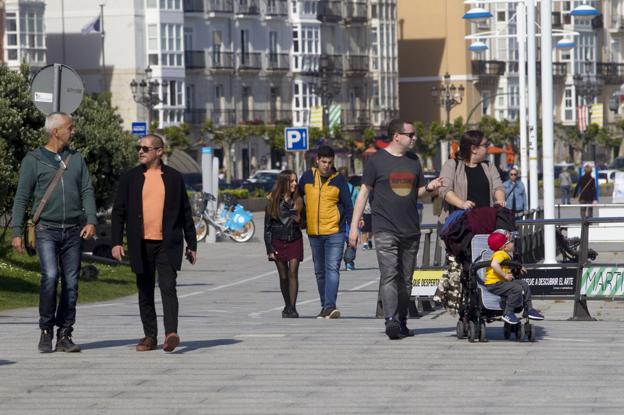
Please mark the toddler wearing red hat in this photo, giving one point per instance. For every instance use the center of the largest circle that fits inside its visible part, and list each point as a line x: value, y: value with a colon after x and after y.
x: 500, y: 281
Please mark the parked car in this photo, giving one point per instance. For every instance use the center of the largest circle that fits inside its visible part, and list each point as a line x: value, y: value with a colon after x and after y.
x: 606, y: 176
x: 261, y: 179
x: 617, y: 163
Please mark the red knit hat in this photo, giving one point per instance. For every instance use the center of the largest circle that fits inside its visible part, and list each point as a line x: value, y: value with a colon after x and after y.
x: 498, y: 239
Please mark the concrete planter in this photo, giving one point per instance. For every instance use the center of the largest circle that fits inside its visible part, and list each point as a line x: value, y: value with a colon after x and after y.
x: 256, y: 204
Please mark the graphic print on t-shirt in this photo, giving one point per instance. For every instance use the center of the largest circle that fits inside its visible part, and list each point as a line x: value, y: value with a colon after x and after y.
x: 401, y: 182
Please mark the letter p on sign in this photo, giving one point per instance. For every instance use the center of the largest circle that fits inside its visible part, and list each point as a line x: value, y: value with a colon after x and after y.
x: 296, y: 139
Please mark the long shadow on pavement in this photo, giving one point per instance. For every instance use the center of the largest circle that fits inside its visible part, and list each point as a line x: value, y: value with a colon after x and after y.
x: 109, y: 343
x: 6, y: 362
x: 191, y: 346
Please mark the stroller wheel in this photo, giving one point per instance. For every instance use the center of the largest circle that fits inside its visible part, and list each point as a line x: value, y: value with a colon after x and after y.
x: 507, y: 331
x: 472, y: 331
x: 461, y: 329
x: 520, y: 332
x: 530, y: 331
x: 482, y: 336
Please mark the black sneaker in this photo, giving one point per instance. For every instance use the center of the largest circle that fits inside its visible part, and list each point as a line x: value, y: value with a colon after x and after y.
x: 64, y: 343
x: 45, y: 341
x: 332, y: 313
x: 393, y: 329
x: 322, y: 314
x: 405, y: 332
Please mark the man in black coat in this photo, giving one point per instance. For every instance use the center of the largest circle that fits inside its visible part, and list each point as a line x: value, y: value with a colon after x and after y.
x: 152, y: 204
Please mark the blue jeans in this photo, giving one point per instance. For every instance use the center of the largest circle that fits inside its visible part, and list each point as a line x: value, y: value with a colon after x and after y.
x: 326, y: 255
x: 565, y: 195
x: 57, y: 246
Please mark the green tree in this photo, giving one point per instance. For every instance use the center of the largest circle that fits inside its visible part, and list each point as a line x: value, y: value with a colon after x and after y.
x: 107, y: 148
x: 178, y: 137
x: 20, y: 130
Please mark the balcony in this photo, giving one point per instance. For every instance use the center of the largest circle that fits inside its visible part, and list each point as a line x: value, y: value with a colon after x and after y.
x: 193, y: 6
x: 248, y: 7
x: 356, y: 119
x: 222, y: 61
x: 357, y: 12
x: 275, y: 8
x: 488, y: 68
x: 559, y: 71
x: 219, y: 6
x: 249, y: 61
x: 194, y: 116
x: 329, y: 11
x: 263, y: 116
x: 277, y: 62
x: 195, y: 59
x: 611, y: 72
x: 356, y: 64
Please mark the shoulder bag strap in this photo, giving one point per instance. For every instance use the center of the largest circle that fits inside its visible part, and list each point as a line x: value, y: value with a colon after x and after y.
x: 51, y: 186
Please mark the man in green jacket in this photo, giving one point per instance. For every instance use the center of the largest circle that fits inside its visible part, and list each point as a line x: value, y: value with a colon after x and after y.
x: 59, y: 230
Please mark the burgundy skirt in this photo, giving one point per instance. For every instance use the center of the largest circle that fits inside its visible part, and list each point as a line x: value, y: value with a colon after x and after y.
x: 288, y: 250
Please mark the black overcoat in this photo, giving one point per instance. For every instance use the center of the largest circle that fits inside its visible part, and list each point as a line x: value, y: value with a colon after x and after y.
x: 177, y: 216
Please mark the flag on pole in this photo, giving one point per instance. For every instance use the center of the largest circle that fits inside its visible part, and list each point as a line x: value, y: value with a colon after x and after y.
x: 92, y: 27
x: 335, y: 114
x: 582, y: 117
x: 316, y: 117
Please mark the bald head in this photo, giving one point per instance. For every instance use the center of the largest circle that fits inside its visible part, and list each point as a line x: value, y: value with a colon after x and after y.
x: 56, y: 120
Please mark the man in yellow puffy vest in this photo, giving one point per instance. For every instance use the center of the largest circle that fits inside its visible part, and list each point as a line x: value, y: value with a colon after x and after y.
x: 328, y: 210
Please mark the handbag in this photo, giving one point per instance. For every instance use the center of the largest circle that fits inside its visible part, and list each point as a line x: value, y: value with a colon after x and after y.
x: 30, y: 234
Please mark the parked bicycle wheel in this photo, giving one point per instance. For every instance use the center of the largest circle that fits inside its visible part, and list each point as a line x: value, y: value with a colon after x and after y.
x: 244, y: 234
x: 201, y: 228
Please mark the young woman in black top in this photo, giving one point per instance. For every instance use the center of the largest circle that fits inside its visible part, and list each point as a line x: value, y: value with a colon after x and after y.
x: 283, y: 238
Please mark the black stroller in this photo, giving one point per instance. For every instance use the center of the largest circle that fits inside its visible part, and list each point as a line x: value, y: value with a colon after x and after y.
x: 479, y: 306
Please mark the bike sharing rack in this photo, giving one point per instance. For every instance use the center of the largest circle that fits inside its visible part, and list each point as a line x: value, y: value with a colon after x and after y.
x: 579, y: 281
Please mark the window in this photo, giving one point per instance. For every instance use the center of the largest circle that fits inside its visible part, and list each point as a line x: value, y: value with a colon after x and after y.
x: 374, y: 48
x: 171, y: 44
x: 172, y: 94
x: 304, y: 98
x: 586, y: 50
x: 170, y: 4
x: 500, y: 16
x: 568, y: 104
x: 152, y: 37
x: 306, y: 47
x: 188, y: 38
x: 11, y: 34
x: 151, y: 4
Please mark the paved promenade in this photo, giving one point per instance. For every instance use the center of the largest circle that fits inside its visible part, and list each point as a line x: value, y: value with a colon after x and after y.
x: 238, y: 356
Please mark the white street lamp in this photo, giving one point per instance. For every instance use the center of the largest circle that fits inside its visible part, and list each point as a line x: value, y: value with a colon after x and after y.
x: 584, y: 10
x: 478, y: 46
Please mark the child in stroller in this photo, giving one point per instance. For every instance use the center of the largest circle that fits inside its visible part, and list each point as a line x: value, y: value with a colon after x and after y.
x: 500, y: 281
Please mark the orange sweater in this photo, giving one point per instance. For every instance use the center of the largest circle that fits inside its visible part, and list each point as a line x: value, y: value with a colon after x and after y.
x: 153, y: 205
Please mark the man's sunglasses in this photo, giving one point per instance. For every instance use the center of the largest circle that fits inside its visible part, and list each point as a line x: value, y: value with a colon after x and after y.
x: 146, y: 149
x: 410, y: 135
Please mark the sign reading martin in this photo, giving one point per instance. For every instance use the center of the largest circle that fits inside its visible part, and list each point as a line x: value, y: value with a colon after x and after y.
x: 551, y: 281
x: 603, y: 281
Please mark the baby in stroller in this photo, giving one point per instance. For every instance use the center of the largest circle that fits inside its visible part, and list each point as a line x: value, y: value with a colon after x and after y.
x: 499, y: 280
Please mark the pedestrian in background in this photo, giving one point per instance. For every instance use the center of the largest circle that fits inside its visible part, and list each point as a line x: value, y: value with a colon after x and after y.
x: 58, y: 225
x: 283, y: 238
x: 565, y: 185
x: 396, y: 176
x: 153, y: 206
x: 515, y: 193
x: 350, y: 251
x: 586, y: 191
x: 328, y: 210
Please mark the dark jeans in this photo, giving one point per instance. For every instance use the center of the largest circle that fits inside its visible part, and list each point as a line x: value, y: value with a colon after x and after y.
x: 349, y: 254
x: 515, y: 292
x: 565, y: 195
x: 155, y: 259
x: 397, y: 258
x: 58, y: 246
x: 326, y: 255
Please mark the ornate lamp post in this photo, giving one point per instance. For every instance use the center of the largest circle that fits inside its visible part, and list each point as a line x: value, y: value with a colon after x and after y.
x: 328, y: 86
x: 145, y: 92
x: 448, y: 96
x: 588, y: 86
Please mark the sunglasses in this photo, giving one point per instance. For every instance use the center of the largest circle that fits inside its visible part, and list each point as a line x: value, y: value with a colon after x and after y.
x: 512, y: 174
x: 146, y: 149
x: 410, y: 135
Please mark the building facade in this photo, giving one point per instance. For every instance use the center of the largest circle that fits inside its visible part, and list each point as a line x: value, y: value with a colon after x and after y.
x: 23, y: 33
x: 233, y: 62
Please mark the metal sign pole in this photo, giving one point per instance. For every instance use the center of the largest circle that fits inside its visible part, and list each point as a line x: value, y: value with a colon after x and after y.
x: 56, y: 102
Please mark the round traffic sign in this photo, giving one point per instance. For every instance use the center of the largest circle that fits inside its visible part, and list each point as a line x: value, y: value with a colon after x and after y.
x: 57, y: 88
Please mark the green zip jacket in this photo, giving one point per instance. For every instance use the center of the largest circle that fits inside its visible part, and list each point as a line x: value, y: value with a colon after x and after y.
x: 72, y: 197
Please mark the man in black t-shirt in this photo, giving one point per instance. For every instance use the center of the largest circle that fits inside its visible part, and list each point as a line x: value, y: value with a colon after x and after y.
x: 396, y: 177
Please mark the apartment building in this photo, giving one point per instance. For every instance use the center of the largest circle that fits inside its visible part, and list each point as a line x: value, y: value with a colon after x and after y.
x: 23, y: 33
x: 236, y: 61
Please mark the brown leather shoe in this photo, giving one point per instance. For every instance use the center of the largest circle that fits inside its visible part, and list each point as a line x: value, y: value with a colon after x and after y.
x: 146, y: 344
x: 172, y: 340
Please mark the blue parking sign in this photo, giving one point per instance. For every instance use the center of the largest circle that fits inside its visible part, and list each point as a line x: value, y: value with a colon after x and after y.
x: 139, y: 129
x: 296, y: 139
